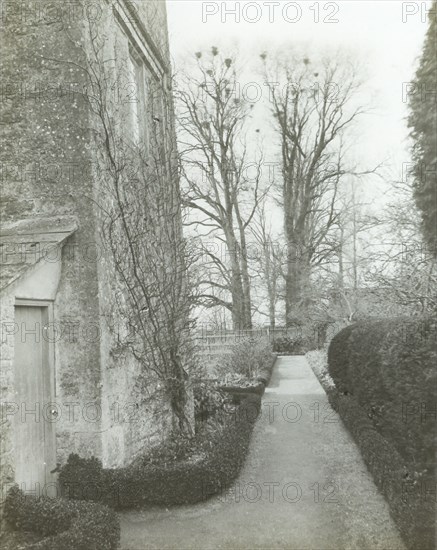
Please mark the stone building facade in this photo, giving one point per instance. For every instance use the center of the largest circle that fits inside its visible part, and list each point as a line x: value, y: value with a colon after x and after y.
x: 67, y: 385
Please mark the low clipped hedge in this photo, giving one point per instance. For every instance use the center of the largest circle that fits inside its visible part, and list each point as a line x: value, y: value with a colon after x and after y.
x: 386, y: 393
x: 61, y: 524
x: 265, y: 372
x: 207, y: 472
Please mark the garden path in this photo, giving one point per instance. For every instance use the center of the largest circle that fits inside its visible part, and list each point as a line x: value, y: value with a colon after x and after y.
x: 304, y: 485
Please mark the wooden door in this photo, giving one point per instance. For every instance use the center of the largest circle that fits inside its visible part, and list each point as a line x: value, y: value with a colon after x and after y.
x: 35, y: 455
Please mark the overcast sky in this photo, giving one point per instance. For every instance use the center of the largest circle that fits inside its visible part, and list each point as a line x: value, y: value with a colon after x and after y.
x: 386, y: 36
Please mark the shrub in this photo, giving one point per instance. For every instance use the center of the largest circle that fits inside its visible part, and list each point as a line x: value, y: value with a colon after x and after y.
x: 209, y: 401
x: 65, y: 525
x: 302, y: 336
x: 238, y: 387
x: 248, y: 358
x: 257, y: 388
x: 214, y: 461
x: 288, y: 345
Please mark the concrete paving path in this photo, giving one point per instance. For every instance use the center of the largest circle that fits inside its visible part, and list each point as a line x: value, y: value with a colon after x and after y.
x: 304, y: 485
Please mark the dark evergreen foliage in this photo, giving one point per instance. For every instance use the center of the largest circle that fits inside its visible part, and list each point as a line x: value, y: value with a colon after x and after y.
x: 62, y: 524
x: 423, y: 124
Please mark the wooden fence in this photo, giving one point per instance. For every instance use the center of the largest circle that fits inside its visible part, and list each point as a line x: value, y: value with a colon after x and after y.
x: 212, y: 344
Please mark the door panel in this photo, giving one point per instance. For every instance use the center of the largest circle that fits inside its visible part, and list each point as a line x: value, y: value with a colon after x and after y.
x: 34, y: 431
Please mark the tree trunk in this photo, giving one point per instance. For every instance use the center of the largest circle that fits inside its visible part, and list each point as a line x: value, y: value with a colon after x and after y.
x: 247, y: 304
x: 177, y: 388
x: 240, y: 286
x: 296, y: 287
x: 272, y: 313
x: 238, y: 313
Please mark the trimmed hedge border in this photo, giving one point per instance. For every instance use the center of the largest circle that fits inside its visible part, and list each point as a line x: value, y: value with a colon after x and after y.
x: 82, y: 523
x: 414, y: 517
x: 167, y: 484
x: 65, y: 525
x: 265, y: 374
x: 377, y: 367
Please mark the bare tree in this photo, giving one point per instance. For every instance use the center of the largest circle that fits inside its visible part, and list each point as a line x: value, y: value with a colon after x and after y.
x: 406, y: 268
x: 311, y: 107
x: 384, y: 268
x: 268, y: 262
x: 353, y: 253
x: 223, y: 181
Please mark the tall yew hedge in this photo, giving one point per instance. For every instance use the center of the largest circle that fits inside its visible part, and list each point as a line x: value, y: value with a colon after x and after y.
x: 385, y: 373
